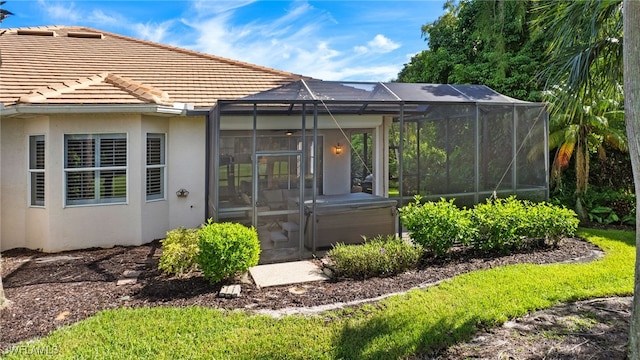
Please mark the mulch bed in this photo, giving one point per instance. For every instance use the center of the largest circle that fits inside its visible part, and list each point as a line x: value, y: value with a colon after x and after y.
x: 52, y: 290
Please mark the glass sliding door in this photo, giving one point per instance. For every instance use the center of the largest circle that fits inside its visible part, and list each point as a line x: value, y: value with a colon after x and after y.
x: 278, y: 208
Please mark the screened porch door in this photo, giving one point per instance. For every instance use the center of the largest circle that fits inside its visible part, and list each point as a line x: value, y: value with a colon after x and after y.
x: 279, y: 212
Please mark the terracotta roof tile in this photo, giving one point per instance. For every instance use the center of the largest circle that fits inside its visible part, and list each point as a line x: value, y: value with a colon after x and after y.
x: 55, y: 64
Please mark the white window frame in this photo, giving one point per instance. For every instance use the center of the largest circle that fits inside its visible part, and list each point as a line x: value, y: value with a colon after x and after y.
x: 162, y: 165
x: 96, y: 169
x: 34, y: 170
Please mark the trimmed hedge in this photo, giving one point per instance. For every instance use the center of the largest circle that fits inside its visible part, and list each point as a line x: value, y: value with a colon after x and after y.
x: 508, y: 224
x: 498, y: 224
x: 437, y: 226
x: 380, y: 256
x: 227, y: 249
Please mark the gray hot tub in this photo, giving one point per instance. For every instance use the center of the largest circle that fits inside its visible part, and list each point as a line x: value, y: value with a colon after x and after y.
x: 347, y: 218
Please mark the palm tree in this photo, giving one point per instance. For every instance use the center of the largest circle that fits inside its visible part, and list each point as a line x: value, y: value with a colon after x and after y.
x: 586, y: 129
x: 583, y: 78
x: 632, y: 110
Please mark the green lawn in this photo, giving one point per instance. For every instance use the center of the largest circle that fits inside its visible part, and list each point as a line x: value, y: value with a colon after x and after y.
x: 418, y: 322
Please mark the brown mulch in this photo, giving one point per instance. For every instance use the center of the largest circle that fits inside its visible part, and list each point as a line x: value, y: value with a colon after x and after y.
x: 51, y: 290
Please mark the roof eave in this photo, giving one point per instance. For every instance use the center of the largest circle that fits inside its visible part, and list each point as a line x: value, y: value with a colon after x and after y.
x: 47, y: 109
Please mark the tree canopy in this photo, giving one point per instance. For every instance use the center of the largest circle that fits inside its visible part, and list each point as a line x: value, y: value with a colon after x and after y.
x: 482, y: 42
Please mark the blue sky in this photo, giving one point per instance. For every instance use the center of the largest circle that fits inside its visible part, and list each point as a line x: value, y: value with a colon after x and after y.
x: 330, y: 40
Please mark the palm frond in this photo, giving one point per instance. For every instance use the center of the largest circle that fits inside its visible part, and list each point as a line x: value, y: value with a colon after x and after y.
x: 617, y: 139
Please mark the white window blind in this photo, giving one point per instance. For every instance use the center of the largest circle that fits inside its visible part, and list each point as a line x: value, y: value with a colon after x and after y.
x: 156, y: 165
x: 95, y: 169
x: 36, y: 170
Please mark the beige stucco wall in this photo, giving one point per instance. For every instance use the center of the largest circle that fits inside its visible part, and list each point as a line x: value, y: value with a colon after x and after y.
x: 57, y: 227
x: 187, y: 171
x: 14, y: 178
x: 337, y: 168
x: 21, y: 224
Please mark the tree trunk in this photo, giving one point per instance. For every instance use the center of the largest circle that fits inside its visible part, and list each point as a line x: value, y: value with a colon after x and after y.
x: 582, y: 172
x: 3, y: 300
x: 631, y: 53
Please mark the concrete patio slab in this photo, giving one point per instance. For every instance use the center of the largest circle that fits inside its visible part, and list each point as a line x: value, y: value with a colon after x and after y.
x: 286, y: 273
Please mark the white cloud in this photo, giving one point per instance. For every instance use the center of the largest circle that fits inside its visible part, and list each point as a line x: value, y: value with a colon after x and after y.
x: 152, y: 31
x: 99, y: 17
x: 61, y: 11
x: 379, y: 44
x: 382, y: 44
x: 210, y: 7
x: 361, y: 49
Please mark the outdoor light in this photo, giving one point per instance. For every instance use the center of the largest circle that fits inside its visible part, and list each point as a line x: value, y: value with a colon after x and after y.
x: 182, y: 193
x: 337, y: 149
x: 288, y: 133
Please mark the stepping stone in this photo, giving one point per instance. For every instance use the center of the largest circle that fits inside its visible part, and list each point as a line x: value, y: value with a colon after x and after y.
x: 127, y: 281
x: 298, y: 290
x: 131, y: 273
x: 229, y: 291
x: 286, y: 273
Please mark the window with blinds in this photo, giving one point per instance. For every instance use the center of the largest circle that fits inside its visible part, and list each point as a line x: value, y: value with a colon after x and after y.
x: 156, y: 165
x: 95, y: 169
x: 36, y: 170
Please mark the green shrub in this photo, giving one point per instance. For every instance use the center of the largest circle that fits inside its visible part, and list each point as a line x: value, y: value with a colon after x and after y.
x: 437, y: 226
x: 547, y: 222
x: 380, y: 256
x: 508, y: 224
x: 500, y: 224
x: 227, y: 249
x: 609, y: 206
x: 179, y: 250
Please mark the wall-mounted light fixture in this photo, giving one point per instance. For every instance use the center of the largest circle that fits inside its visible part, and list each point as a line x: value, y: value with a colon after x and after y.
x: 288, y: 133
x: 182, y: 193
x: 337, y: 149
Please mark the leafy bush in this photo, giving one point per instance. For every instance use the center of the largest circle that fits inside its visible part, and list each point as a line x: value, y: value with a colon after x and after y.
x: 380, y: 256
x: 609, y: 206
x: 547, y: 222
x: 507, y: 224
x: 500, y: 224
x: 227, y: 249
x: 437, y: 226
x: 179, y: 250
x: 603, y: 204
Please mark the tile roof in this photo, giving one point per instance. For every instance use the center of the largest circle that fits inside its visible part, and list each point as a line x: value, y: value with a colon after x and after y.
x: 78, y: 65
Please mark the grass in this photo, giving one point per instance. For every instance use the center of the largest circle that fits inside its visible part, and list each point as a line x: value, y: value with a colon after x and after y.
x: 422, y: 321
